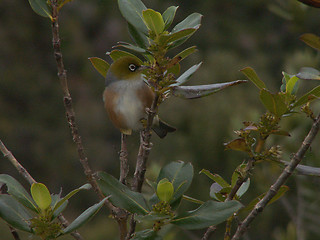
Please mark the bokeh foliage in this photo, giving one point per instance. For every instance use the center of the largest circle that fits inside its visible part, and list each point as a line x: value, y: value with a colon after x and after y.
x: 234, y: 34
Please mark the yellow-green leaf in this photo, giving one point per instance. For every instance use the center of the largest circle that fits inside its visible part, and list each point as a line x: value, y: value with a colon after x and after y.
x: 41, y: 195
x: 253, y: 77
x: 100, y: 65
x: 165, y: 190
x: 153, y: 21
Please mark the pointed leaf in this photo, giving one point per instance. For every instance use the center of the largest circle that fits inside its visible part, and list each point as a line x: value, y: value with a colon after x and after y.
x: 311, y: 39
x: 308, y: 73
x: 121, y: 195
x: 131, y: 10
x: 41, y: 7
x: 186, y: 75
x: 18, y: 192
x: 153, y: 20
x: 183, y: 34
x: 100, y: 65
x: 14, y: 213
x: 84, y: 217
x: 116, y: 54
x: 41, y: 195
x: 132, y: 47
x: 215, y: 177
x: 192, y: 92
x: 308, y: 97
x: 191, y: 199
x: 55, y: 199
x: 139, y: 38
x: 177, y: 173
x: 208, y: 214
x: 185, y: 53
x: 253, y: 77
x: 192, y: 21
x: 168, y: 16
x: 69, y: 195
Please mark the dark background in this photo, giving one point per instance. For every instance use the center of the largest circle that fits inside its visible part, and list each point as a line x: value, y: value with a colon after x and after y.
x: 234, y: 34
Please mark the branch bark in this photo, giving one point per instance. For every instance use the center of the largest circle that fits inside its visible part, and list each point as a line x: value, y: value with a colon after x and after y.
x: 118, y: 213
x: 286, y: 173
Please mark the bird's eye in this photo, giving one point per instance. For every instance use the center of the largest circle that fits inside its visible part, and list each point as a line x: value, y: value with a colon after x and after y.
x: 132, y: 67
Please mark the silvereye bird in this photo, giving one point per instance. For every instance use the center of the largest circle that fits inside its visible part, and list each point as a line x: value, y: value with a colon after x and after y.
x: 126, y: 97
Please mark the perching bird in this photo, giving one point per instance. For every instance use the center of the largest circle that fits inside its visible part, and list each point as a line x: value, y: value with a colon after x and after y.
x: 127, y: 96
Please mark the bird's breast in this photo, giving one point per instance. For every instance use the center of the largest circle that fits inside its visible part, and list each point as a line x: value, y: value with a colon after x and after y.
x: 129, y: 99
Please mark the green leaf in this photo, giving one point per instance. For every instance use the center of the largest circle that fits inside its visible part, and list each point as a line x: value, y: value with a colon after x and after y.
x: 147, y: 234
x: 18, y: 192
x: 84, y: 217
x: 100, y: 65
x: 250, y: 206
x: 308, y: 73
x: 116, y: 54
x: 180, y: 174
x: 69, y: 195
x: 131, y: 10
x: 311, y: 39
x: 215, y: 177
x: 55, y: 199
x: 192, y: 21
x: 168, y: 16
x: 208, y: 214
x: 185, y: 53
x: 191, y: 199
x: 308, y: 97
x: 165, y: 190
x: 244, y: 188
x: 121, y: 195
x: 253, y: 77
x: 153, y: 20
x: 14, y: 213
x: 273, y: 102
x: 186, y: 75
x: 41, y: 7
x: 139, y: 38
x: 41, y: 195
x: 291, y: 87
x: 192, y: 92
x: 183, y: 34
x: 132, y: 47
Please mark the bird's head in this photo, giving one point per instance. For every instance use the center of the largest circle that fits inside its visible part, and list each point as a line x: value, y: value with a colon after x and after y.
x: 125, y: 68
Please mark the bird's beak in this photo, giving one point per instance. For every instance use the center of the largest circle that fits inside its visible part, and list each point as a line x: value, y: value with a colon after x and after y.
x: 144, y: 67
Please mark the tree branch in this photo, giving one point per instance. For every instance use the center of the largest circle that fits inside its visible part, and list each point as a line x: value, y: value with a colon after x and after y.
x: 16, y: 164
x: 123, y: 156
x: 286, y: 173
x: 119, y: 214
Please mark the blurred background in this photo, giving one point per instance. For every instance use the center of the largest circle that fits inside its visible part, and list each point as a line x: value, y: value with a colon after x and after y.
x: 234, y: 34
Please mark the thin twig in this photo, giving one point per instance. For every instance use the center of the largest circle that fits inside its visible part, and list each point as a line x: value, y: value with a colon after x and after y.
x: 14, y: 233
x: 119, y: 214
x: 286, y: 173
x: 16, y: 164
x: 123, y: 156
x: 208, y: 233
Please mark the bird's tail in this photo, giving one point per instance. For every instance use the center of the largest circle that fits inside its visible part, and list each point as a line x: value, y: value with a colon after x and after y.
x: 161, y: 128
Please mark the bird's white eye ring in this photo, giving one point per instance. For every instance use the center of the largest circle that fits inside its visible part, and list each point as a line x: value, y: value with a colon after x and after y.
x: 132, y: 67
